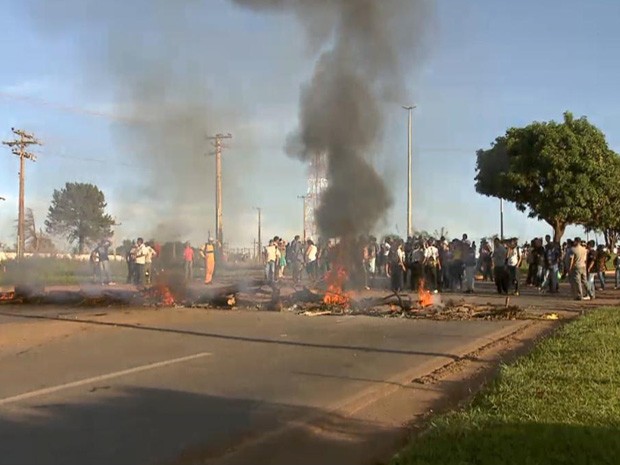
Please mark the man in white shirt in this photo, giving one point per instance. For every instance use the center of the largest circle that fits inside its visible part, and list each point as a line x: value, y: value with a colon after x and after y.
x: 311, y: 256
x: 148, y: 262
x: 140, y: 264
x: 431, y: 265
x: 514, y: 262
x: 272, y: 255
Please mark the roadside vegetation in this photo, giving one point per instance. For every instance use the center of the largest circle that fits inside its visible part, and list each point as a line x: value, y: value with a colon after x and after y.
x: 558, y: 405
x: 54, y: 271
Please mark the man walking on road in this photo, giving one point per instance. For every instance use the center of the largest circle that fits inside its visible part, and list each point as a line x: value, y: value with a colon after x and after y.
x: 578, y: 270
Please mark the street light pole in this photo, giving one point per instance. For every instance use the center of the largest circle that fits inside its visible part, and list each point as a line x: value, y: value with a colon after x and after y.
x: 260, y: 244
x: 409, y: 167
x: 501, y: 219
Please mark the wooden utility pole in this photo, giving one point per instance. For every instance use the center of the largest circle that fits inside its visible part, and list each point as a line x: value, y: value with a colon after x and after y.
x: 18, y: 147
x: 217, y: 143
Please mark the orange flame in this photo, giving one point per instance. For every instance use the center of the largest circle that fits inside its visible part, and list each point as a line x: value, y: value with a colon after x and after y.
x: 7, y: 295
x: 167, y: 299
x: 425, y: 298
x: 335, y: 294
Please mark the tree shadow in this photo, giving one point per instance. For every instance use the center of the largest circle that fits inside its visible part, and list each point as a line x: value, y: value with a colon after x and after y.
x: 159, y: 426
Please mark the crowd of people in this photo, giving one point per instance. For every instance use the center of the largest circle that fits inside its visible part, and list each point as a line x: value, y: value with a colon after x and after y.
x: 439, y: 265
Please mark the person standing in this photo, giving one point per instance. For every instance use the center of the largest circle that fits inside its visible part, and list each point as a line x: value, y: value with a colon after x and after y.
x: 552, y: 266
x: 271, y: 257
x: 617, y: 273
x: 578, y: 270
x: 397, y: 266
x: 514, y: 262
x: 602, y: 256
x: 470, y: 268
x: 208, y: 253
x: 130, y: 257
x: 104, y: 261
x: 188, y: 262
x: 148, y: 265
x: 282, y: 264
x: 591, y: 267
x: 311, y: 257
x: 296, y: 258
x: 500, y: 273
x: 431, y: 265
x: 140, y: 262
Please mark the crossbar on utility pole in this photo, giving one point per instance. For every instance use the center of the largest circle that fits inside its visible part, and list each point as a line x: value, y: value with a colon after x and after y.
x: 18, y: 147
x: 218, y: 144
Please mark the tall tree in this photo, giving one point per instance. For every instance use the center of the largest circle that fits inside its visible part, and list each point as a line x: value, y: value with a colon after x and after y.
x: 35, y: 240
x: 78, y: 213
x: 557, y: 172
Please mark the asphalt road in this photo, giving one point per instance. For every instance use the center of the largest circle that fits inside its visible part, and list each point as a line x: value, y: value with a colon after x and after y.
x: 189, y: 386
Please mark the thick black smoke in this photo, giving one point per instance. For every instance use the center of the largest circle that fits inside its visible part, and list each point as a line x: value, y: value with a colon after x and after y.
x: 361, y: 67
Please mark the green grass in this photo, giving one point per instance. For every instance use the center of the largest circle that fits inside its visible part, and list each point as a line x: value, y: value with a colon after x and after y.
x: 558, y: 405
x: 55, y: 271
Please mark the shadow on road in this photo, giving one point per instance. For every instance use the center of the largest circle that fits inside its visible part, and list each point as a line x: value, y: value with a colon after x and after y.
x: 230, y: 337
x: 157, y: 426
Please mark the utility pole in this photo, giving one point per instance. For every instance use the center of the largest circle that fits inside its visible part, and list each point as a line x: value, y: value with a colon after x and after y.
x: 18, y: 147
x: 409, y: 163
x: 260, y: 244
x: 217, y: 143
x: 304, y: 198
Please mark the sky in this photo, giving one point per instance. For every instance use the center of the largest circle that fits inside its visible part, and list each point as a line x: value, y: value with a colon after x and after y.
x: 486, y: 66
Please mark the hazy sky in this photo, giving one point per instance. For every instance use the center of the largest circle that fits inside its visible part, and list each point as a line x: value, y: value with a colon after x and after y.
x: 487, y: 65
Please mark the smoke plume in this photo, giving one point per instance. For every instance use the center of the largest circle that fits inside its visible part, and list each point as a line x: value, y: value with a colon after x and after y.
x: 147, y: 58
x: 150, y: 55
x: 360, y: 68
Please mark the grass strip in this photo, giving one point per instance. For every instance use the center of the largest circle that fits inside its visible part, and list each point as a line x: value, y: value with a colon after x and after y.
x: 558, y: 405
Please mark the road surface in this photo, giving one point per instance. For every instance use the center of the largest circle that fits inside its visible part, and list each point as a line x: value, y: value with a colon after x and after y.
x: 181, y: 386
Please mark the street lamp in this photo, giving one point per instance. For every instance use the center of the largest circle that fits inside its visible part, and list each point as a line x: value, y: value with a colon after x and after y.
x: 409, y: 195
x: 260, y: 244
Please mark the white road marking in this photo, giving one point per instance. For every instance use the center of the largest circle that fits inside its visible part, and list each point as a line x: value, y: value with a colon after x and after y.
x: 94, y: 379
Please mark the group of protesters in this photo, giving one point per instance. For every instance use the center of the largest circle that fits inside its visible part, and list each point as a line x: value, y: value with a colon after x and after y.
x: 298, y: 255
x: 144, y: 262
x: 435, y: 264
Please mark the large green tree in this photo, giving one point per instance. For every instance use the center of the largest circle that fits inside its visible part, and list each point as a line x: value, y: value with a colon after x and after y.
x: 561, y: 173
x: 78, y: 213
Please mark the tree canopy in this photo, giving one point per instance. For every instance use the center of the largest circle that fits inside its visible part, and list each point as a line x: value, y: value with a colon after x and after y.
x: 77, y: 212
x: 562, y: 173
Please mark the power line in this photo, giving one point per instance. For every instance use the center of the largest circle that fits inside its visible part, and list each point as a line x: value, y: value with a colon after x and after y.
x: 37, y: 101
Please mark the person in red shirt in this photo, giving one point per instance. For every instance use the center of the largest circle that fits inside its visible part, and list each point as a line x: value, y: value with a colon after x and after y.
x: 188, y: 258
